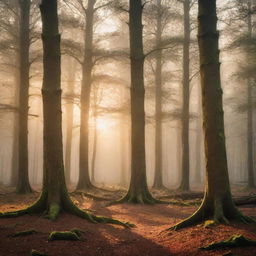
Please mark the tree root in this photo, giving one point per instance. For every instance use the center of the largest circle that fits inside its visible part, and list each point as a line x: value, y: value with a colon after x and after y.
x: 68, y: 206
x: 233, y: 241
x: 137, y: 199
x: 218, y: 215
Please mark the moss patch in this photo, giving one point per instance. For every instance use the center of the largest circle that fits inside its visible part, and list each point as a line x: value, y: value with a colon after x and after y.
x: 37, y: 253
x: 63, y: 235
x: 233, y: 241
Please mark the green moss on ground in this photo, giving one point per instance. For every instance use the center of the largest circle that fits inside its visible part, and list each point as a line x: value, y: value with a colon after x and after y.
x: 63, y: 235
x: 37, y: 253
x: 233, y: 241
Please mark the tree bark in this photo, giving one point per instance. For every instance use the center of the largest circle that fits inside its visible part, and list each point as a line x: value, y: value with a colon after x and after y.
x: 84, y: 181
x: 217, y: 202
x: 138, y: 190
x: 184, y: 184
x: 158, y: 179
x: 23, y: 185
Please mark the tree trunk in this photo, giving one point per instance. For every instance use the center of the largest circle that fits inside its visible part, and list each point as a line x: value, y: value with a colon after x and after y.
x: 184, y: 185
x: 217, y: 203
x: 95, y: 134
x: 138, y: 191
x: 251, y: 183
x: 15, y: 133
x: 84, y: 177
x: 23, y: 185
x: 158, y: 180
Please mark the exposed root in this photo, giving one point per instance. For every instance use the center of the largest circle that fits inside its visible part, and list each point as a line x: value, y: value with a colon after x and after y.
x: 66, y: 205
x: 137, y: 199
x: 70, y: 207
x: 233, y: 241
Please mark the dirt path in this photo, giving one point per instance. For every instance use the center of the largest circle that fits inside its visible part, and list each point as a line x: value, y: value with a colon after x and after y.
x: 98, y: 240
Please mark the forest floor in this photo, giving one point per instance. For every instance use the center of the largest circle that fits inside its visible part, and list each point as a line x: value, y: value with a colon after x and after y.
x: 146, y: 239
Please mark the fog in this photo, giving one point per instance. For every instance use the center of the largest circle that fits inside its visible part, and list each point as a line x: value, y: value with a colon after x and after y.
x: 109, y: 122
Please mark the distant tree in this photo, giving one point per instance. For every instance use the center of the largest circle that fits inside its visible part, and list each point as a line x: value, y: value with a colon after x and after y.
x: 185, y: 166
x: 244, y: 13
x: 23, y: 185
x: 217, y: 202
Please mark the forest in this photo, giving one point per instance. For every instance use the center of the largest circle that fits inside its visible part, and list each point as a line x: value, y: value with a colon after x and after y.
x: 127, y: 127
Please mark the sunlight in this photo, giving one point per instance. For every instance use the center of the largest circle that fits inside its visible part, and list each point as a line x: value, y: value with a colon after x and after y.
x: 104, y: 124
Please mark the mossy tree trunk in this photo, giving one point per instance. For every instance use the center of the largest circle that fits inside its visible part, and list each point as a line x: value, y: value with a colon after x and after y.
x: 158, y: 179
x: 84, y: 181
x: 217, y: 202
x: 54, y: 197
x: 251, y: 182
x: 23, y: 185
x: 138, y: 190
x: 185, y: 166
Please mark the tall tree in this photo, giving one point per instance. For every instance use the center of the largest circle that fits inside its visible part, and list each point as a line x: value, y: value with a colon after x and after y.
x: 184, y: 185
x: 138, y: 190
x: 54, y: 197
x: 84, y: 178
x: 70, y: 119
x: 158, y: 179
x: 23, y: 185
x: 217, y: 202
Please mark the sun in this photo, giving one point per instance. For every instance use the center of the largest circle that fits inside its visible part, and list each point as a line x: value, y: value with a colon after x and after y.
x: 102, y: 124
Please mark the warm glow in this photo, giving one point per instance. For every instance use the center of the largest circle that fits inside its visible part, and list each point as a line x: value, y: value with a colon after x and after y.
x: 102, y: 124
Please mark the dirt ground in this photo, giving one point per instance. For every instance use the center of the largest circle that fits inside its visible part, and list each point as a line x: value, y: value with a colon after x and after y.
x: 146, y: 239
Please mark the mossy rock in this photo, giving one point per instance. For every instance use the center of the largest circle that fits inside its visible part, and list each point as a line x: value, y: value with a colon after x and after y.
x: 63, y: 235
x: 233, y: 241
x: 37, y: 253
x: 25, y: 233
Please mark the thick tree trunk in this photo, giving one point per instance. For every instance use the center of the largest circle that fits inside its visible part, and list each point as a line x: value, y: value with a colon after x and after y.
x: 217, y: 203
x: 84, y: 177
x: 158, y: 179
x: 251, y: 182
x: 23, y: 185
x: 184, y: 185
x: 138, y: 191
